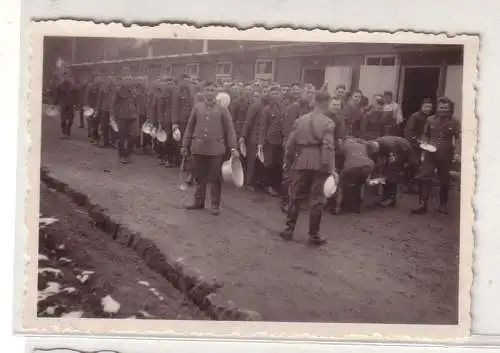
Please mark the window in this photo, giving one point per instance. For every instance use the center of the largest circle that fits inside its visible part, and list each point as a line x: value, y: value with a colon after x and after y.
x: 165, y: 70
x: 224, y: 69
x: 383, y: 60
x: 192, y: 69
x: 264, y: 70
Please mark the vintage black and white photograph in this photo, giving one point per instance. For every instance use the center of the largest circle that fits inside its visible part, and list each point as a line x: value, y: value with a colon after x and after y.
x: 256, y: 177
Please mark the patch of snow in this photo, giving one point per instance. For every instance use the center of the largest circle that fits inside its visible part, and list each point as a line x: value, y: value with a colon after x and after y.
x: 51, y: 310
x: 157, y: 294
x: 69, y: 290
x: 64, y: 260
x: 61, y: 247
x: 53, y: 271
x: 84, y: 276
x: 145, y: 313
x: 52, y: 289
x: 109, y: 305
x: 144, y: 283
x: 46, y: 221
x: 42, y: 257
x: 73, y: 314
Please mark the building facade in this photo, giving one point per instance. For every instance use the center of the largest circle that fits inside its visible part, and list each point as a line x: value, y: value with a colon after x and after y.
x: 411, y: 71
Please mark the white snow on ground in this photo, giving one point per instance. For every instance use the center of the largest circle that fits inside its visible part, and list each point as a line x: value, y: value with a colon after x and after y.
x: 65, y: 260
x: 69, y: 290
x: 42, y: 257
x: 52, y: 289
x: 46, y: 221
x: 109, y: 305
x: 145, y: 313
x: 73, y: 314
x: 157, y: 294
x: 54, y: 271
x: 51, y: 310
x: 144, y: 283
x: 84, y: 276
x: 61, y: 247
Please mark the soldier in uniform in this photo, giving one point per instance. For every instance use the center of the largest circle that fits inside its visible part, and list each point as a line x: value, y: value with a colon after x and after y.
x: 442, y: 131
x: 162, y: 110
x: 142, y: 96
x: 372, y: 125
x: 270, y: 141
x: 340, y: 91
x: 66, y: 99
x: 183, y: 101
x: 239, y: 108
x: 294, y: 111
x: 80, y: 101
x: 413, y: 132
x: 104, y: 107
x: 209, y: 133
x: 392, y: 153
x: 310, y: 155
x: 353, y: 113
x: 295, y: 93
x: 124, y: 110
x: 335, y: 113
x: 91, y: 100
x: 249, y: 136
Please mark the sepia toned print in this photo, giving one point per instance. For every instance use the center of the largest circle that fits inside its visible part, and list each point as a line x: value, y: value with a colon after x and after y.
x: 291, y: 182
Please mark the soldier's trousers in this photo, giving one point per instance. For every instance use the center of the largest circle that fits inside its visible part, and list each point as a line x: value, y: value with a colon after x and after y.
x: 273, y: 158
x: 207, y: 170
x: 303, y: 184
x: 127, y: 135
x: 443, y: 165
x: 105, y: 129
x: 252, y: 164
x: 67, y: 116
x: 143, y: 140
x: 176, y: 146
x: 165, y: 149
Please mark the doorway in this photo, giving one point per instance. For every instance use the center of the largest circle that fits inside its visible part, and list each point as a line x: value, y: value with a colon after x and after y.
x: 314, y: 76
x: 419, y: 83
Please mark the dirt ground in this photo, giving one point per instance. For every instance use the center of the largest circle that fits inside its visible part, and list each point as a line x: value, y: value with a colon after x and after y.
x: 384, y: 266
x: 83, y: 266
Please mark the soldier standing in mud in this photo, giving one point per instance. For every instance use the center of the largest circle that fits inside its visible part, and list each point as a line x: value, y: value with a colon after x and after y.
x: 104, y: 107
x: 310, y: 156
x: 442, y: 131
x: 91, y: 100
x: 249, y: 137
x: 270, y: 141
x: 126, y: 114
x: 66, y: 98
x: 183, y: 102
x: 209, y: 134
x: 294, y: 111
x: 413, y: 132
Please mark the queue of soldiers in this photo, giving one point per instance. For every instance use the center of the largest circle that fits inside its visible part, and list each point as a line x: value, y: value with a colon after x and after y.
x: 293, y: 136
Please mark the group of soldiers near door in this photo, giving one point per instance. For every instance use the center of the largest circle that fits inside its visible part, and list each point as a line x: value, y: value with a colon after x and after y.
x: 295, y: 137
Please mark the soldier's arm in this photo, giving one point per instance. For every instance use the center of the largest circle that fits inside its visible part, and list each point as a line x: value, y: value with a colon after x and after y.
x: 426, y: 134
x: 364, y: 125
x: 249, y: 119
x: 188, y: 134
x: 290, y: 145
x: 457, y: 137
x: 264, y: 122
x: 288, y: 120
x: 408, y: 133
x: 175, y: 109
x: 100, y: 95
x: 328, y: 147
x: 227, y: 124
x: 112, y: 105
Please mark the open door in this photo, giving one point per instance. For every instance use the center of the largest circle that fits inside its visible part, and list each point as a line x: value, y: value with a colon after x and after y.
x: 377, y: 79
x: 336, y: 75
x: 453, y: 89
